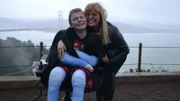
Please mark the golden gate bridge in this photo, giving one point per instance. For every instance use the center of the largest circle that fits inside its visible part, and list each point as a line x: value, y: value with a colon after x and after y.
x: 59, y: 26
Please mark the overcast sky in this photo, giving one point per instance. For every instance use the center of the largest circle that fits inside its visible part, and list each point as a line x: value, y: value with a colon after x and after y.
x: 152, y: 11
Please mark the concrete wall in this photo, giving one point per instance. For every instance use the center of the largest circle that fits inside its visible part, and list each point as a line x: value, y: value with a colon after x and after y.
x: 129, y: 87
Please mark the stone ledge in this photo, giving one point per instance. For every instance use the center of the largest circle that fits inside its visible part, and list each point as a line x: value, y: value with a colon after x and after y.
x: 10, y: 82
x: 15, y: 82
x: 147, y: 77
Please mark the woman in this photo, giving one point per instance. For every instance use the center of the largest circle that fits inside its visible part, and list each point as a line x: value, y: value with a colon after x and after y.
x: 57, y: 73
x: 115, y: 47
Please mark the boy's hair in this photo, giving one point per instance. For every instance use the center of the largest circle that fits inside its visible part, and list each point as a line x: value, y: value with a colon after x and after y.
x: 73, y: 11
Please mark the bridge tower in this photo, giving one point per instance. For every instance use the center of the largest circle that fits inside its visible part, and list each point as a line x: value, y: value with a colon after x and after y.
x: 60, y: 20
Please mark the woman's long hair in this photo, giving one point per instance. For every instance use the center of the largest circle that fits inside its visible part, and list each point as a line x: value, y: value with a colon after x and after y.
x: 103, y: 23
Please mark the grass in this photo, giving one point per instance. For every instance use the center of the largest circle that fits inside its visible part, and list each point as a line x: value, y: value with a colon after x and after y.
x: 153, y: 69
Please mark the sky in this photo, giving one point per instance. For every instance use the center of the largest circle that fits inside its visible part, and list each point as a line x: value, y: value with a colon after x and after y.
x: 127, y: 11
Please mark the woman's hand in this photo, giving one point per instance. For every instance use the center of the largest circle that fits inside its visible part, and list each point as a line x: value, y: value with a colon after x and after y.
x: 60, y: 49
x: 105, y: 59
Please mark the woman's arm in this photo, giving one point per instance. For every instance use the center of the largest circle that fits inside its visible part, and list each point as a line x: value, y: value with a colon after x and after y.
x: 121, y: 48
x: 52, y: 56
x: 94, y: 46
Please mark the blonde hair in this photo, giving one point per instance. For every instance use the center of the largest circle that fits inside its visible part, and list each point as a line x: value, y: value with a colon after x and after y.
x: 103, y: 15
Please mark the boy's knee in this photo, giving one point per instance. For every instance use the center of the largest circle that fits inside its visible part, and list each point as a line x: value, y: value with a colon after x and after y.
x: 79, y: 79
x: 57, y: 75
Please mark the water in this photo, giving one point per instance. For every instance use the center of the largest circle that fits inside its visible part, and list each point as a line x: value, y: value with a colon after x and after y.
x: 149, y: 55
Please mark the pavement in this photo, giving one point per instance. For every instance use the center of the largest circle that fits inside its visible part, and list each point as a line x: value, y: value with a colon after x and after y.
x: 152, y: 90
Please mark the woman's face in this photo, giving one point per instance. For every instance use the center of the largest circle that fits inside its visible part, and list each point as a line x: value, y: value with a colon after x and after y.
x: 93, y: 18
x: 78, y: 21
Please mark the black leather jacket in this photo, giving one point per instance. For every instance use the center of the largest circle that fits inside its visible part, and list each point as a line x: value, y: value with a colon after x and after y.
x: 117, y: 49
